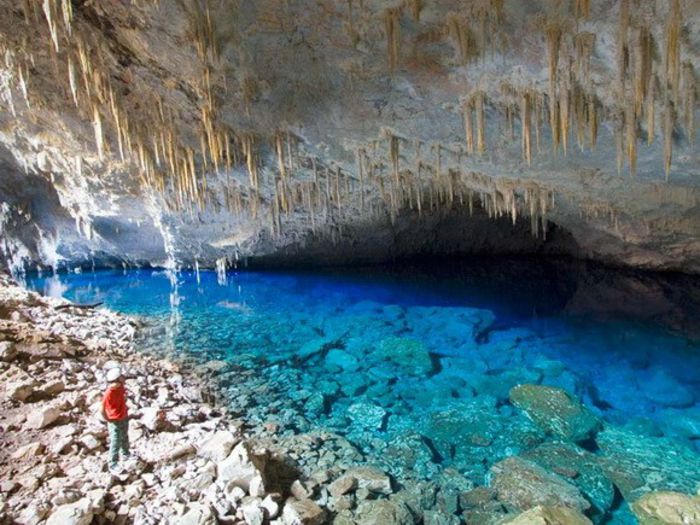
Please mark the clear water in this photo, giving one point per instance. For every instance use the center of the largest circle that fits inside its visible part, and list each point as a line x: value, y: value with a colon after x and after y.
x: 384, y: 355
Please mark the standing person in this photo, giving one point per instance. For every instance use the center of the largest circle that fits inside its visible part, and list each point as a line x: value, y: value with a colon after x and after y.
x: 114, y: 411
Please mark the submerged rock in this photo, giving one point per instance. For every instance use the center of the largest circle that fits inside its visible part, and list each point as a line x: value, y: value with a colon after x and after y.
x: 667, y: 508
x: 665, y: 390
x: 367, y: 416
x: 580, y: 468
x: 549, y: 516
x: 521, y: 484
x: 639, y: 464
x: 409, y: 355
x: 304, y: 512
x: 383, y: 512
x: 555, y: 411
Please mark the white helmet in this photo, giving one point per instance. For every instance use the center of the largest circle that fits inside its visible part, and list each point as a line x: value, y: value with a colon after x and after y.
x: 113, y: 374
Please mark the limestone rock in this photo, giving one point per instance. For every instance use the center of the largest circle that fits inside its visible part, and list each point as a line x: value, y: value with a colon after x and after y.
x: 580, y: 468
x: 638, y: 464
x: 667, y: 508
x: 341, y: 359
x: 382, y: 512
x: 197, y: 514
x: 521, y: 484
x: 410, y: 355
x: 218, y: 446
x: 304, y: 512
x: 241, y: 466
x: 78, y: 513
x: 549, y: 516
x: 371, y: 479
x: 342, y: 485
x: 43, y: 416
x: 555, y: 411
x: 367, y: 415
x: 28, y: 450
x: 8, y: 351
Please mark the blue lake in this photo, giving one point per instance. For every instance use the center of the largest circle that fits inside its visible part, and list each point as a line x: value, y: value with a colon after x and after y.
x: 413, y: 364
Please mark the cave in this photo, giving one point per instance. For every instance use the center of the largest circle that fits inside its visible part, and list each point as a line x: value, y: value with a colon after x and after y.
x: 349, y: 261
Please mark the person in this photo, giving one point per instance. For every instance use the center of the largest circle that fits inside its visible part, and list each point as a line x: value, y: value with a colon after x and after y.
x: 114, y: 411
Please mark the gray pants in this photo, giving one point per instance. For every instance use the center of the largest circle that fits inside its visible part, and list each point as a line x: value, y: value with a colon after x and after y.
x: 118, y: 440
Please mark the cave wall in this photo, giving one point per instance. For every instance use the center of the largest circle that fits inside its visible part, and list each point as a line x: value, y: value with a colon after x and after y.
x: 175, y: 131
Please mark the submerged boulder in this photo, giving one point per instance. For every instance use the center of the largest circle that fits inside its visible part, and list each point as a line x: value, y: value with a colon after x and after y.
x: 383, y: 512
x: 521, y: 484
x: 555, y: 411
x: 549, y: 516
x: 579, y: 467
x: 667, y: 508
x: 639, y: 464
x: 409, y: 355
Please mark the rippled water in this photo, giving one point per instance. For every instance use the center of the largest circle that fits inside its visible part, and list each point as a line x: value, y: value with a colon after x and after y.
x: 414, y: 364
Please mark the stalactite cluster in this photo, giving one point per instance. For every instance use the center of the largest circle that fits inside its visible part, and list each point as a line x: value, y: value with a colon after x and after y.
x: 392, y: 27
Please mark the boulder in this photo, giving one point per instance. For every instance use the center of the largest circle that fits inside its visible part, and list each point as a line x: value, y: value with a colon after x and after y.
x: 555, y: 411
x: 340, y: 359
x: 8, y: 351
x: 154, y: 418
x: 667, y: 508
x: 638, y: 464
x: 20, y: 390
x: 409, y: 355
x: 521, y: 484
x: 29, y: 450
x: 342, y: 485
x: 241, y: 466
x: 367, y: 416
x: 78, y: 513
x: 304, y: 512
x: 549, y: 516
x: 197, y: 514
x: 383, y: 512
x: 372, y: 479
x: 42, y: 417
x: 580, y: 468
x: 218, y: 446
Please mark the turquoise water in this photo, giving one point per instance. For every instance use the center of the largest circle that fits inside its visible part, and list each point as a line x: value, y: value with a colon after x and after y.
x: 414, y: 364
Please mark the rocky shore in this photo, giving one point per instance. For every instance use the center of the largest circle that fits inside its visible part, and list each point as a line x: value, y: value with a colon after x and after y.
x: 200, y: 463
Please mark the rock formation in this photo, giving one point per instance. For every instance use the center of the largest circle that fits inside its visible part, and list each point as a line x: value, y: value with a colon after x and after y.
x: 184, y: 132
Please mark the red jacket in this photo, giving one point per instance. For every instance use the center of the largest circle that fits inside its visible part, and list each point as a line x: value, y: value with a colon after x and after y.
x: 114, y: 403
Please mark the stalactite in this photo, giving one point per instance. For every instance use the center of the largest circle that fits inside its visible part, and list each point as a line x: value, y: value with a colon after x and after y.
x: 480, y: 123
x: 553, y: 34
x: 50, y: 14
x: 564, y: 113
x: 673, y: 49
x: 467, y: 109
x: 620, y: 141
x: 689, y: 98
x: 539, y: 105
x: 97, y: 127
x: 416, y: 8
x: 71, y: 81
x: 623, y: 45
x: 526, y: 122
x: 631, y: 138
x: 392, y: 26
x: 582, y: 8
x: 592, y: 115
x: 585, y: 45
x: 458, y: 29
x: 668, y: 137
x: 651, y: 112
x: 643, y: 50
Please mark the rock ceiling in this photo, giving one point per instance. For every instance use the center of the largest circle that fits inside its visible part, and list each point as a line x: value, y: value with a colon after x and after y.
x: 197, y: 130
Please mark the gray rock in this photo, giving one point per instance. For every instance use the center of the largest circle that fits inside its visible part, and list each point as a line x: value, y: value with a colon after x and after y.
x: 371, y: 479
x: 304, y: 512
x: 197, y: 514
x: 521, y: 484
x: 8, y: 351
x: 42, y: 417
x: 555, y: 411
x: 383, y: 512
x: 218, y: 446
x: 342, y: 485
x: 241, y: 466
x: 78, y: 513
x: 367, y: 416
